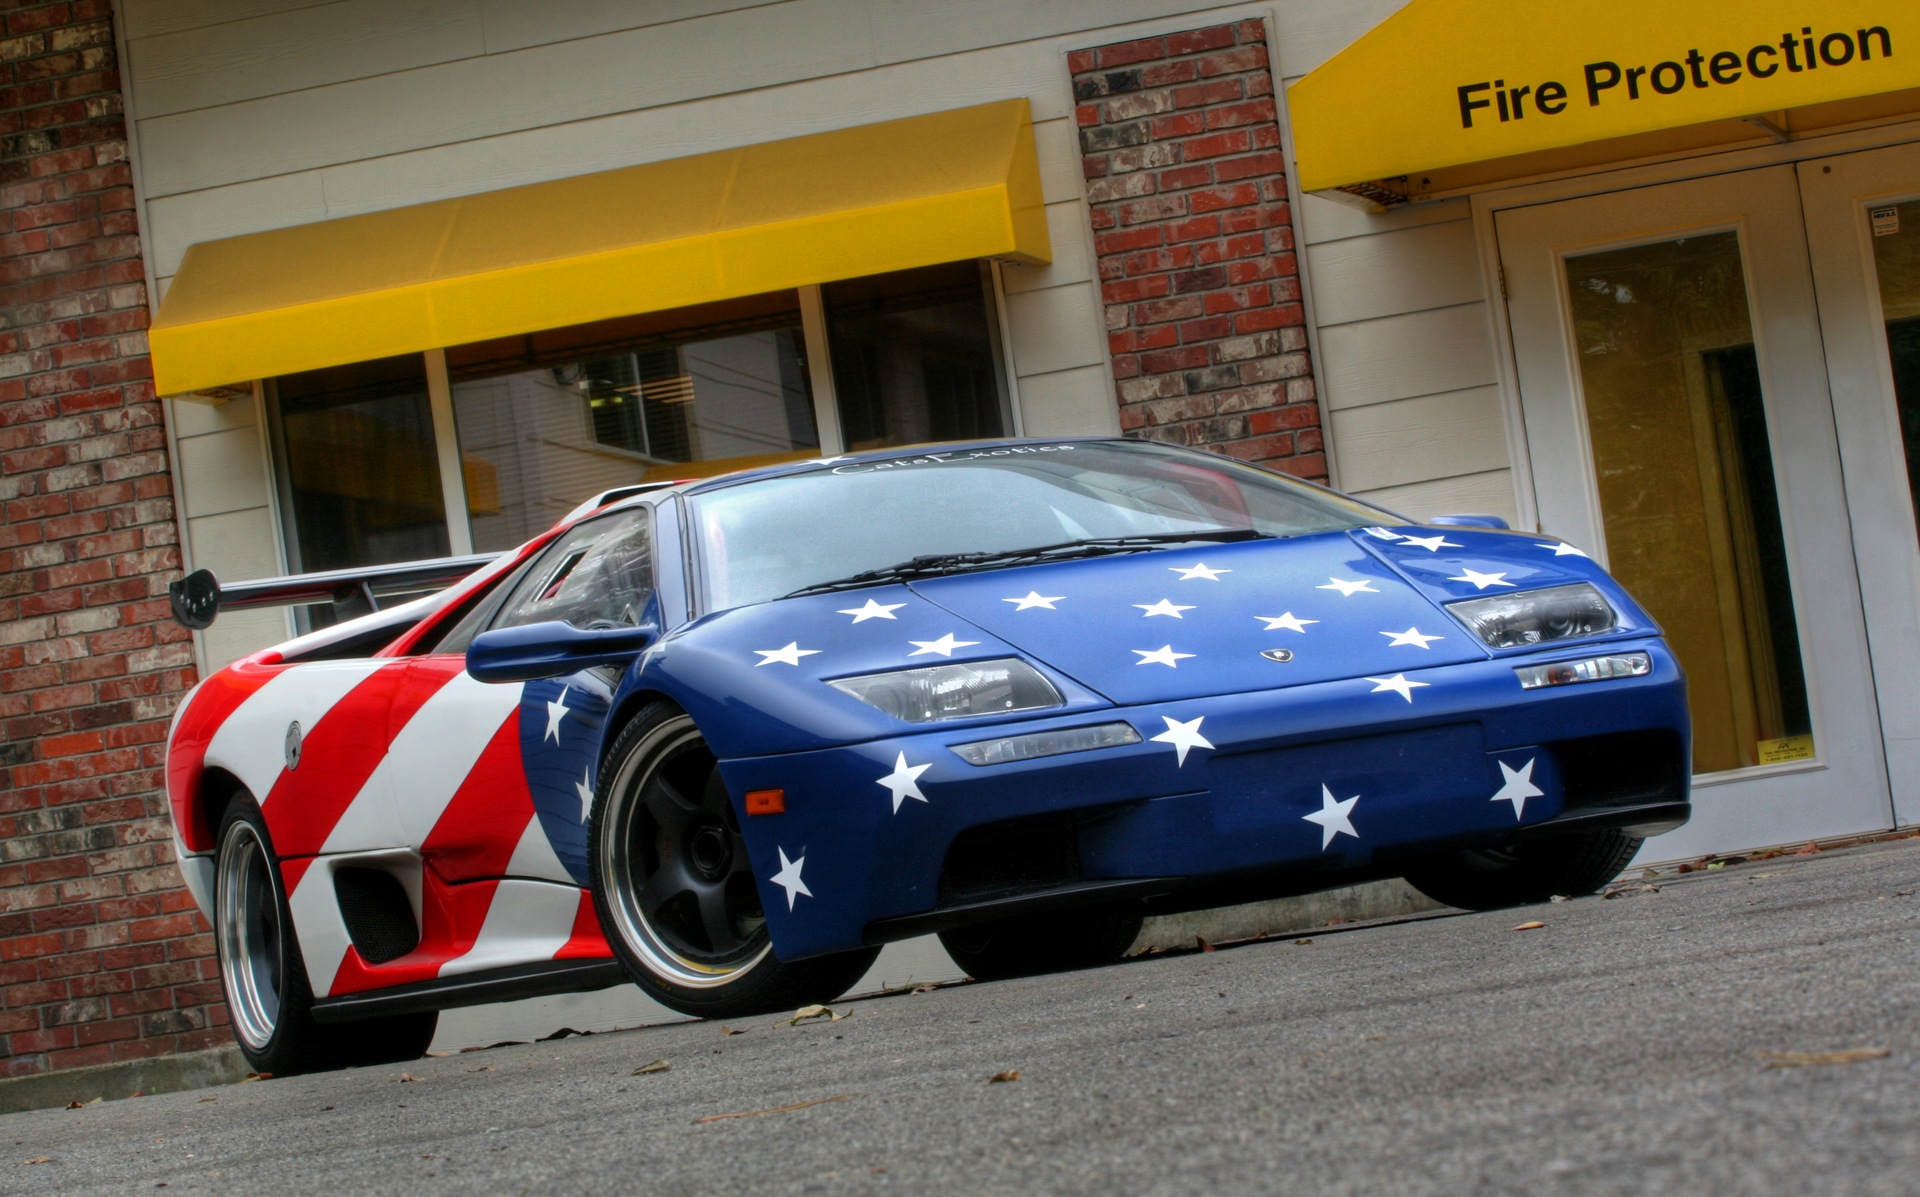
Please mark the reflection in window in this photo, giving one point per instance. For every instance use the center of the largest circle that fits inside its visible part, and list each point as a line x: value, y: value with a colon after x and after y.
x: 1896, y: 256
x: 914, y: 357
x: 600, y: 575
x: 360, y: 474
x: 550, y: 419
x: 1672, y: 390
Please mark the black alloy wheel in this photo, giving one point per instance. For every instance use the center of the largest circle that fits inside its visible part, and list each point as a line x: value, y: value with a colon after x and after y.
x: 675, y: 889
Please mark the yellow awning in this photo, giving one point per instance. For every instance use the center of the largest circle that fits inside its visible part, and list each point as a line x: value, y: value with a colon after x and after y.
x: 940, y: 188
x: 1447, y: 83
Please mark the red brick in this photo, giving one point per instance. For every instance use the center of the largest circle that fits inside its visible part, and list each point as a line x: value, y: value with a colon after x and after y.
x: 1214, y: 91
x: 1200, y: 39
x: 1127, y: 53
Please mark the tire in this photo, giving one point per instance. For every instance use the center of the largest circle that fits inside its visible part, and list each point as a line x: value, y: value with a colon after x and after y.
x: 1532, y: 871
x: 1045, y: 943
x: 269, y: 999
x: 675, y: 891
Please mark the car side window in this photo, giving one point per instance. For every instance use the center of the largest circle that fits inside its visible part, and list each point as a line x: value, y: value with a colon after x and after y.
x: 598, y: 575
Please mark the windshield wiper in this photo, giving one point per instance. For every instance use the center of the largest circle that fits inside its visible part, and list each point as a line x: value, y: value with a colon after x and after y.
x: 934, y: 565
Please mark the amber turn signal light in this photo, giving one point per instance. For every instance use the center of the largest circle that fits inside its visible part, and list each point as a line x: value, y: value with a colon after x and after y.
x: 766, y: 802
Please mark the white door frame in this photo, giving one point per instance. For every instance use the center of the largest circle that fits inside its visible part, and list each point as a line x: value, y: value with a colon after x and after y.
x: 1836, y: 193
x: 1844, y: 791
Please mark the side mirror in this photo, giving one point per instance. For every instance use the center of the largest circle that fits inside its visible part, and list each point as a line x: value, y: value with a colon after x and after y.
x: 1470, y: 521
x: 542, y: 650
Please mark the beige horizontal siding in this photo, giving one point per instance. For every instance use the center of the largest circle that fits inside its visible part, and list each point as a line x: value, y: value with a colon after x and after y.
x: 1490, y: 493
x: 1387, y: 274
x: 1412, y: 440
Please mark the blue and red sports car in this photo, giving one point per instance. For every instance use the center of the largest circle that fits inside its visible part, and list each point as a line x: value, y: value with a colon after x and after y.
x: 725, y: 738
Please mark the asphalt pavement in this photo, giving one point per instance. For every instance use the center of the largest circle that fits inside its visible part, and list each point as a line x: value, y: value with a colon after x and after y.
x: 1749, y: 1029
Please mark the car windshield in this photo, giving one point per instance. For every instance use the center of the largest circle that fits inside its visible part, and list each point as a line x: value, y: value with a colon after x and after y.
x: 861, y: 522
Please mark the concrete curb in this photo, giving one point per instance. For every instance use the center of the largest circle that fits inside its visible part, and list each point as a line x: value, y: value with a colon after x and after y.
x: 157, y: 1074
x: 1308, y: 912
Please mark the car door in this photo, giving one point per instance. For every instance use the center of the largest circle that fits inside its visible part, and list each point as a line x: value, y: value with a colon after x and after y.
x: 497, y: 779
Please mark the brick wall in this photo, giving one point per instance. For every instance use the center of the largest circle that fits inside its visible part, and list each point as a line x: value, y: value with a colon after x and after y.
x: 101, y: 954
x: 1187, y: 188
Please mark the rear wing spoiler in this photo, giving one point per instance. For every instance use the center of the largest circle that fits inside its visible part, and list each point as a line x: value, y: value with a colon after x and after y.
x: 197, y: 598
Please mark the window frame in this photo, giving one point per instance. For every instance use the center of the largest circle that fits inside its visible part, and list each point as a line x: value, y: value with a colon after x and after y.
x: 826, y: 413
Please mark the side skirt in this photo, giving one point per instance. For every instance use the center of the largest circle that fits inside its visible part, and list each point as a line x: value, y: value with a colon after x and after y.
x: 474, y: 989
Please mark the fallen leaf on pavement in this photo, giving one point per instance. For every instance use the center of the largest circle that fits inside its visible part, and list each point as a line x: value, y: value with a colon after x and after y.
x: 1533, y: 926
x: 1809, y: 1059
x: 484, y: 1068
x: 805, y: 1013
x: 76, y: 1105
x: 41, y: 1159
x: 438, y: 1056
x: 1811, y: 849
x: 257, y: 1076
x: 656, y: 1066
x: 406, y: 1078
x: 1299, y: 943
x: 209, y: 1099
x: 1001, y: 1078
x: 1631, y: 888
x: 798, y: 1105
x: 730, y: 1031
x: 1204, y: 945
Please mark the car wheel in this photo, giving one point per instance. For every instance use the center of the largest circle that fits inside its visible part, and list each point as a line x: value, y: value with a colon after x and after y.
x: 675, y: 891
x: 269, y: 999
x: 1045, y: 943
x: 1531, y: 871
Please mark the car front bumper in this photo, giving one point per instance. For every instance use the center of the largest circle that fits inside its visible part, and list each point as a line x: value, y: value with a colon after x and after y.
x: 1303, y: 787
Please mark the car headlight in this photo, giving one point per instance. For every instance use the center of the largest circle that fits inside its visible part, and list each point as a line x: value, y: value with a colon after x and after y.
x: 959, y: 691
x: 1537, y: 616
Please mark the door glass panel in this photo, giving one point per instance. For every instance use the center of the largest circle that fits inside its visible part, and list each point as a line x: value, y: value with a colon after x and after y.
x: 1679, y: 438
x: 1896, y: 256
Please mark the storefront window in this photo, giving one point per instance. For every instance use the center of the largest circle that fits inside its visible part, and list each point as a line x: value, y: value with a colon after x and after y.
x: 913, y: 357
x: 1896, y: 256
x: 550, y: 419
x: 1685, y: 471
x: 546, y: 420
x: 359, y: 474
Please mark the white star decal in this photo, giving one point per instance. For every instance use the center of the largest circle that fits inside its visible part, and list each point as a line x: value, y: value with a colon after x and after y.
x: 1482, y: 581
x: 1398, y: 684
x: 1163, y: 607
x: 1182, y: 736
x: 1431, y: 544
x: 1202, y: 570
x: 788, y: 878
x: 584, y: 788
x: 1164, y: 655
x: 873, y: 610
x: 944, y: 646
x: 1289, y: 621
x: 1346, y: 588
x: 904, y: 782
x: 1412, y: 636
x: 556, y: 711
x: 1560, y: 548
x: 1332, y: 817
x: 1034, y: 599
x: 1517, y: 786
x: 790, y: 655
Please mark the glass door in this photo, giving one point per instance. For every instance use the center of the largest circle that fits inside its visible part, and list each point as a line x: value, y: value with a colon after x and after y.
x: 1863, y: 230
x: 1677, y: 416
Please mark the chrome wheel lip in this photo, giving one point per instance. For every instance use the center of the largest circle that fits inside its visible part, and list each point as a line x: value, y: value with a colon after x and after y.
x: 248, y: 934
x: 616, y: 865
